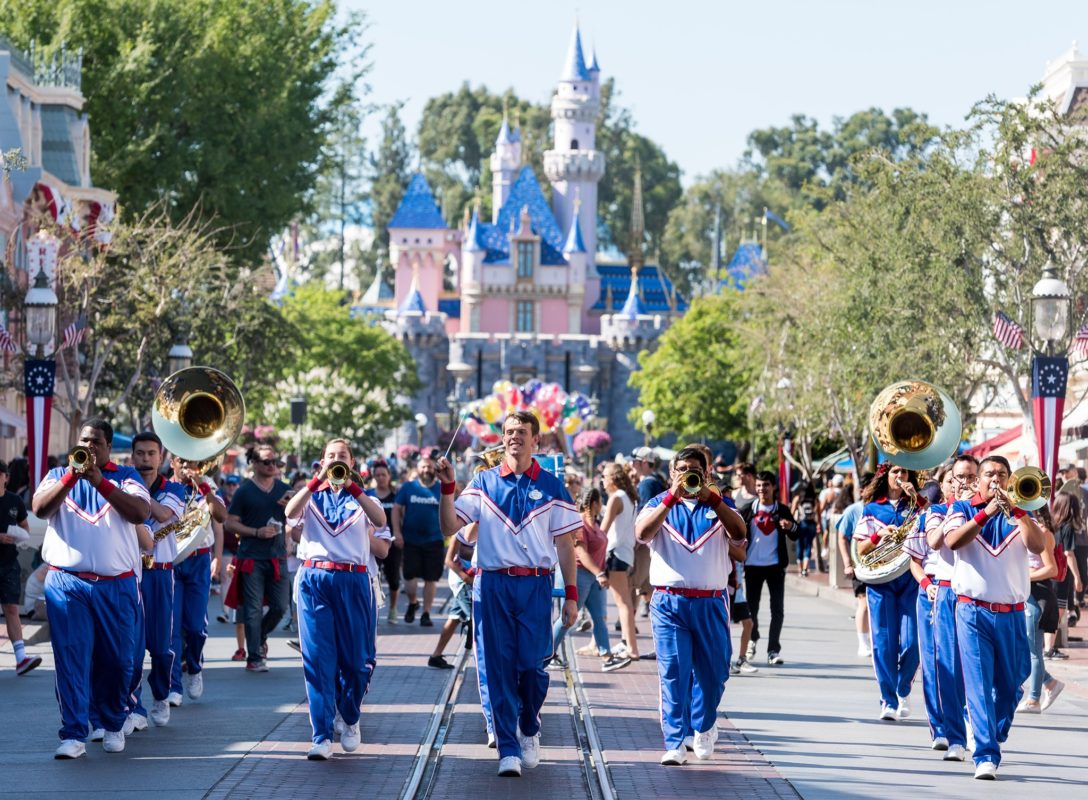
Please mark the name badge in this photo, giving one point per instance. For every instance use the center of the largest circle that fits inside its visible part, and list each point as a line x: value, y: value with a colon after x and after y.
x: 535, y: 494
x: 711, y: 514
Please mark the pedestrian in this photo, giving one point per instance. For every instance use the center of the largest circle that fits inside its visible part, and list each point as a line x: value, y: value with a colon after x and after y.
x: 14, y: 530
x: 526, y: 519
x: 744, y: 485
x: 1040, y: 617
x: 461, y: 576
x: 417, y: 532
x: 991, y: 583
x: 769, y: 525
x: 91, y: 590
x: 336, y: 603
x: 689, y: 569
x: 385, y: 493
x: 849, y: 512
x: 889, y: 500
x: 256, y: 515
x: 804, y: 510
x: 619, y: 529
x: 648, y: 485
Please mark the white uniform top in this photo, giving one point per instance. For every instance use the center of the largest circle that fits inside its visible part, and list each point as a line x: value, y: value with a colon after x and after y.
x: 334, y: 528
x: 86, y: 534
x: 519, y: 516
x: 691, y: 550
x: 621, y: 533
x: 994, y: 565
x: 171, y: 495
x: 378, y: 533
x: 918, y: 546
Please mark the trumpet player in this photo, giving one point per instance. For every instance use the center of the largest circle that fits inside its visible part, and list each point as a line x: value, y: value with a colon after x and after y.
x: 192, y: 584
x: 91, y: 592
x: 336, y: 613
x: 889, y: 501
x: 167, y: 501
x: 991, y: 540
x: 692, y: 536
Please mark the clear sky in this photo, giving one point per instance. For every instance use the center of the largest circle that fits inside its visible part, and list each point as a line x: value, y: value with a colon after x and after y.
x: 699, y: 76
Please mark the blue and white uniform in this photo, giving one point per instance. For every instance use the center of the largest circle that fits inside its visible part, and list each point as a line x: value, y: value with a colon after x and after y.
x: 689, y: 570
x: 92, y: 597
x: 519, y: 517
x: 157, y: 593
x: 892, y: 611
x: 991, y: 583
x: 336, y: 613
x: 192, y: 584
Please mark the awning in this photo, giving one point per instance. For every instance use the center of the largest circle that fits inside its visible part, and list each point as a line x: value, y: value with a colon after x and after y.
x: 993, y: 443
x: 17, y: 421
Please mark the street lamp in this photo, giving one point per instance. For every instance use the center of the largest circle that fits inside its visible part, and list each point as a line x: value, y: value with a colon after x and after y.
x: 298, y: 419
x: 648, y: 418
x: 180, y: 357
x: 1050, y: 301
x: 421, y: 423
x: 41, y: 314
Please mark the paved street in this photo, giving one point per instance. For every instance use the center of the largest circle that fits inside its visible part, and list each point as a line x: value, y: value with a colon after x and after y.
x: 806, y: 729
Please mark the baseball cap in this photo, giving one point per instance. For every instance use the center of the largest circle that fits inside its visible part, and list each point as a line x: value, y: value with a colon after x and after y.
x: 644, y: 454
x: 232, y: 479
x: 837, y: 480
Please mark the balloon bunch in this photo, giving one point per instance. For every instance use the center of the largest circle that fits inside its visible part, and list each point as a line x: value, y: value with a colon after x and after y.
x: 556, y: 410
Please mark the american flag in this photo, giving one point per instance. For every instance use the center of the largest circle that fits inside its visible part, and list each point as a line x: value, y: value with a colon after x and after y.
x: 7, y: 344
x: 1008, y: 332
x: 1080, y: 342
x: 39, y: 378
x: 1049, y: 377
x: 74, y: 333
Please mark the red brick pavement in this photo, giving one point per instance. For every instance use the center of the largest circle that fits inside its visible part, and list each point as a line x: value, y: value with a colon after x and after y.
x: 624, y: 705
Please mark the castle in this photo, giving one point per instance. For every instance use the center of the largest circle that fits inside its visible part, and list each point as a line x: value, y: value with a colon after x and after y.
x: 524, y: 295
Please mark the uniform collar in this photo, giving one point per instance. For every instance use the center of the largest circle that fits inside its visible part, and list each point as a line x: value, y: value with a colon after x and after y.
x: 882, y: 500
x: 533, y: 472
x: 976, y: 500
x: 109, y: 466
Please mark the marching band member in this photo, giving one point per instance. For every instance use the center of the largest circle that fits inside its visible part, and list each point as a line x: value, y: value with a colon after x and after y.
x: 91, y: 590
x: 192, y: 584
x: 336, y: 602
x: 990, y: 580
x: 950, y: 690
x: 156, y: 584
x: 689, y: 570
x: 891, y: 605
x: 525, y: 521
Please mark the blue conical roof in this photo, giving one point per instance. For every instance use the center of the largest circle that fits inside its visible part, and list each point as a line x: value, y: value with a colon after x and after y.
x: 574, y: 68
x: 414, y: 299
x: 594, y: 66
x: 474, y: 237
x: 632, y: 307
x: 575, y: 244
x: 507, y: 135
x: 418, y: 208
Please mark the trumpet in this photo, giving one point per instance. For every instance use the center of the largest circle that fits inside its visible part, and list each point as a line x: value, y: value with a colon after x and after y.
x: 1029, y: 488
x: 338, y: 473
x: 80, y: 458
x: 692, y: 483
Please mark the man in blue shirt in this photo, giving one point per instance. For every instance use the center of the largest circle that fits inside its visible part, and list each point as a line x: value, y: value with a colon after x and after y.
x: 845, y: 526
x: 417, y: 531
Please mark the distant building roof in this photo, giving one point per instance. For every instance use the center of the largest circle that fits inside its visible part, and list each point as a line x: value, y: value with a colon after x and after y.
x: 58, y: 149
x: 508, y: 135
x: 378, y: 293
x: 525, y: 193
x: 652, y: 286
x: 574, y: 68
x: 748, y: 261
x: 450, y: 306
x: 418, y: 208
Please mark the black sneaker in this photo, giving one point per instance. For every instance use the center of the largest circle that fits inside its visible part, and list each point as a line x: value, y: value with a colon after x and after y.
x: 774, y: 659
x: 410, y: 614
x: 425, y: 620
x: 294, y: 644
x: 555, y: 662
x: 614, y: 663
x: 439, y: 662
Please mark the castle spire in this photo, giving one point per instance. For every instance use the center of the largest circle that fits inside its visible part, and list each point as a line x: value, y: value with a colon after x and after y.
x: 575, y: 243
x: 472, y: 236
x: 413, y: 301
x: 574, y: 68
x: 635, y: 255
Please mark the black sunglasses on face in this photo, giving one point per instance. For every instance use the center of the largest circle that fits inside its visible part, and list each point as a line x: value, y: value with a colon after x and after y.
x: 269, y: 462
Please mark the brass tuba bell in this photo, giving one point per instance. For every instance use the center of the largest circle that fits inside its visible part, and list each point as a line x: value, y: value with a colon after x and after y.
x: 198, y: 412
x: 915, y: 424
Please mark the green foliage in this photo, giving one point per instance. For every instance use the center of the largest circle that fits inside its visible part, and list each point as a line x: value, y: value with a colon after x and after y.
x: 201, y: 103
x: 390, y: 171
x: 354, y: 375
x: 695, y: 378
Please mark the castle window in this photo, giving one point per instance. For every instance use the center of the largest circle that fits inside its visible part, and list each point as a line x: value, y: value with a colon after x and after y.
x: 573, y: 144
x: 525, y: 317
x: 525, y: 260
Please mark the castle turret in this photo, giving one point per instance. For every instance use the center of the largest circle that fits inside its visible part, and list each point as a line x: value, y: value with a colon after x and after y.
x: 504, y: 164
x: 418, y: 244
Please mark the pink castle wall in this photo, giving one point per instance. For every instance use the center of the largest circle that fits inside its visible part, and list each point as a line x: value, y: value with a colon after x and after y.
x: 553, y: 316
x: 494, y: 315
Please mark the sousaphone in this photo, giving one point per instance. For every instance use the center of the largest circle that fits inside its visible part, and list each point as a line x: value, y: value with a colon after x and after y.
x: 197, y: 413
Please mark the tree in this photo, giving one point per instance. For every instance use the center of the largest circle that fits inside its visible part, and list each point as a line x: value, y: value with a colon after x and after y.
x: 199, y: 103
x: 351, y: 373
x: 390, y: 171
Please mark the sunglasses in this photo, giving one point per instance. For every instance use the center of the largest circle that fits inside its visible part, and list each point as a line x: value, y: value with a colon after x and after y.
x: 270, y: 462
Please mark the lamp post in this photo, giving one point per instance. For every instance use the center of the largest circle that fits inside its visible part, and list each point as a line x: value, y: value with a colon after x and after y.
x: 39, y: 372
x: 421, y: 423
x: 648, y: 418
x: 298, y: 419
x: 1050, y: 303
x: 180, y: 357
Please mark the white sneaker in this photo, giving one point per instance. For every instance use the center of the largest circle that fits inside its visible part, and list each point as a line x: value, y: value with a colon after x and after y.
x: 129, y: 725
x: 530, y: 750
x: 986, y: 771
x: 97, y: 735
x: 1028, y: 707
x: 350, y: 738
x: 139, y: 723
x: 113, y: 741
x: 510, y: 767
x: 689, y: 743
x: 733, y: 668
x: 887, y: 712
x: 940, y: 743
x: 904, y: 708
x: 955, y: 752
x: 750, y: 651
x: 864, y: 652
x: 704, y: 743
x: 196, y: 686
x: 674, y: 758
x: 160, y: 713
x: 70, y: 748
x: 746, y: 667
x: 322, y: 751
x: 1050, y: 695
x: 338, y: 725
x: 174, y: 699
x: 491, y: 743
